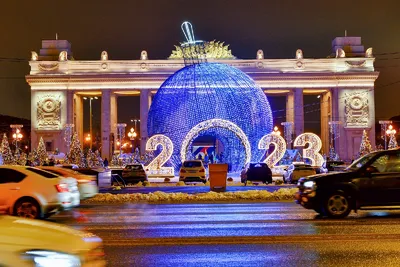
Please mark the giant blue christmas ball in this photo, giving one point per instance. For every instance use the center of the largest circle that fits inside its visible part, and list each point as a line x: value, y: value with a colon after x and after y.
x: 205, y: 91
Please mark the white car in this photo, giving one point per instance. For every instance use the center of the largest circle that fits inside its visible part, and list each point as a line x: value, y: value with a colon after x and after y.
x: 87, y: 184
x: 26, y: 242
x: 34, y: 193
x: 192, y: 171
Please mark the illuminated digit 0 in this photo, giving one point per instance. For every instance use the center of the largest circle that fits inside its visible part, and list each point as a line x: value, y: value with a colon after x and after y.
x: 314, y: 146
x: 279, y: 150
x: 155, y: 167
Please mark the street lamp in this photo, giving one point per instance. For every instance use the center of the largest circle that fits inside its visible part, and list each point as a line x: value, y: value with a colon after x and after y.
x: 276, y: 130
x: 132, y: 135
x: 90, y: 116
x: 384, y: 125
x: 88, y: 138
x: 17, y: 134
x: 135, y: 121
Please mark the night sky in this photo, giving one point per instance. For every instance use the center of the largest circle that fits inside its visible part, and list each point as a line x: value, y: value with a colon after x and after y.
x: 124, y: 28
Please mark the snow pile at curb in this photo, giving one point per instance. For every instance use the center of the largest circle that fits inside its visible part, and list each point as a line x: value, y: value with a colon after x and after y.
x: 161, y: 197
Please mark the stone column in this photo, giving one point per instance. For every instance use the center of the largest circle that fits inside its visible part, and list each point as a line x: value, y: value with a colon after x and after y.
x: 325, y: 105
x: 108, y: 122
x: 70, y: 107
x: 78, y: 116
x: 145, y: 102
x: 295, y: 110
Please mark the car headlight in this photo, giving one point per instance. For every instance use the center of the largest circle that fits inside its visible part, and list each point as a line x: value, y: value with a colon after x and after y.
x: 45, y: 258
x: 309, y: 185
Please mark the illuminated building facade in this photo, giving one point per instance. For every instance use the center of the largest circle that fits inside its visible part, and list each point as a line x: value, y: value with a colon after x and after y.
x: 345, y: 82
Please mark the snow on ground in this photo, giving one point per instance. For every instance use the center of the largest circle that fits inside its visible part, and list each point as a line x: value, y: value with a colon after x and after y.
x: 162, y: 197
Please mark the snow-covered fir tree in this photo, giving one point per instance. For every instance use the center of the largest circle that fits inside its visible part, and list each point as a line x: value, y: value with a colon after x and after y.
x: 392, y: 141
x: 8, y: 158
x: 75, y: 154
x: 41, y: 152
x: 365, y: 146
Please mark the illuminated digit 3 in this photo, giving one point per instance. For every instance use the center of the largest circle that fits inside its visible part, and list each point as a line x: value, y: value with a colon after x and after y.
x: 314, y: 146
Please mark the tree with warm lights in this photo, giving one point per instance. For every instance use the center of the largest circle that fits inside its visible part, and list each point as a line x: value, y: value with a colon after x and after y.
x: 8, y: 158
x: 41, y: 152
x: 97, y: 160
x: 365, y: 146
x: 22, y: 159
x: 75, y: 154
x: 392, y: 141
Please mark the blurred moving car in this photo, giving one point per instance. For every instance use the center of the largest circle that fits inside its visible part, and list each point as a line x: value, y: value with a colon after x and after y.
x: 134, y: 173
x: 34, y: 193
x: 297, y: 170
x: 87, y: 184
x: 25, y: 242
x: 371, y: 183
x: 192, y: 171
x: 256, y: 172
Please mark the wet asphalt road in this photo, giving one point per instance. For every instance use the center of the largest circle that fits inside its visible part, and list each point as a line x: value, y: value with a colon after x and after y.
x: 247, y: 234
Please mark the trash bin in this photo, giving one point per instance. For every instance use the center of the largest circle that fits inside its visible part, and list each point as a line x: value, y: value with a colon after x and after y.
x: 217, y: 176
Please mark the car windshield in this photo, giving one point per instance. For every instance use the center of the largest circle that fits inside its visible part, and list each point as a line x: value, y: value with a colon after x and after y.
x: 191, y: 164
x: 42, y: 173
x: 360, y: 162
x: 134, y: 167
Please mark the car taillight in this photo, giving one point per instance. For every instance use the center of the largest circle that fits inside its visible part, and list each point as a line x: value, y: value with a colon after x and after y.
x: 202, y: 170
x: 62, y: 188
x: 183, y: 171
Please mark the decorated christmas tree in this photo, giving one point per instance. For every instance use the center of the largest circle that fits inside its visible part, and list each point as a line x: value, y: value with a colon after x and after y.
x: 22, y: 159
x: 89, y: 158
x: 8, y: 158
x: 392, y: 141
x: 41, y: 152
x: 75, y: 154
x: 97, y: 160
x: 365, y: 147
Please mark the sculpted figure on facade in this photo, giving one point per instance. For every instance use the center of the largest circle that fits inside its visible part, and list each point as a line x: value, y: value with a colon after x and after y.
x: 143, y: 55
x: 260, y: 54
x: 104, y: 56
x: 356, y: 109
x: 63, y: 56
x: 340, y: 53
x: 368, y: 53
x: 299, y: 54
x: 49, y: 112
x: 34, y: 56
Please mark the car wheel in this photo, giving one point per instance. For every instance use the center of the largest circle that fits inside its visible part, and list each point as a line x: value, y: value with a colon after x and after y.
x: 27, y: 208
x: 337, y: 205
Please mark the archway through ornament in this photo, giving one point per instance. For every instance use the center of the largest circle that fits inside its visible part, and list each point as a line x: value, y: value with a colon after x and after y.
x: 215, y: 123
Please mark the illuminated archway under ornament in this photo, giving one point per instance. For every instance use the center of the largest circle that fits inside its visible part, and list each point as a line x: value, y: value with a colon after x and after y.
x: 215, y: 123
x: 314, y: 146
x: 279, y: 150
x: 155, y: 167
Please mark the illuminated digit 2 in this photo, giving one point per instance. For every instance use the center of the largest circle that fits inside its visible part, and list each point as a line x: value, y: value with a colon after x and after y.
x: 279, y: 150
x: 155, y: 167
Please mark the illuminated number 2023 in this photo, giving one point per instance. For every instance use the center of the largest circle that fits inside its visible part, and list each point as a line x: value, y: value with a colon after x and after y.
x: 312, y: 151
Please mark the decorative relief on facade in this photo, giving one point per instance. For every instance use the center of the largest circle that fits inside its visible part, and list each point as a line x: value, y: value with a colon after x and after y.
x: 48, y: 67
x: 213, y: 49
x: 356, y: 109
x: 49, y: 112
x: 356, y: 64
x: 34, y: 56
x: 299, y: 65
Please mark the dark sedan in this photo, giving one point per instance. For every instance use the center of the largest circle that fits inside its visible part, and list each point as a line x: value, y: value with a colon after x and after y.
x: 371, y: 182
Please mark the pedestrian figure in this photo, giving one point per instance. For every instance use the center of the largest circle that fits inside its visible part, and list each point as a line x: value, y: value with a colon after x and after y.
x: 105, y: 162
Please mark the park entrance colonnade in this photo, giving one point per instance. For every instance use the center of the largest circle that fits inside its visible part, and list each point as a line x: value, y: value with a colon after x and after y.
x: 59, y: 84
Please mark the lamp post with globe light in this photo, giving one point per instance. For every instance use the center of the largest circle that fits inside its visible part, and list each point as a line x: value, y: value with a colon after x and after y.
x: 16, y: 135
x: 90, y: 117
x: 132, y: 135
